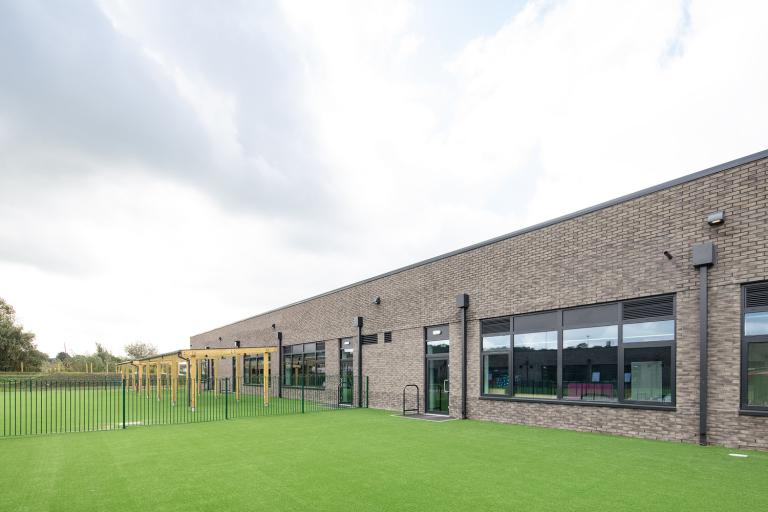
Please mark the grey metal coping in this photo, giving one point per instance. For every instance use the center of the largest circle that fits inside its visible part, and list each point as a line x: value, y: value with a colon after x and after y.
x: 591, y: 209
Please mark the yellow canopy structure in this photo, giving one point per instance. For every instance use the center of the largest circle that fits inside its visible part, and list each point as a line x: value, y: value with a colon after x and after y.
x: 137, y: 371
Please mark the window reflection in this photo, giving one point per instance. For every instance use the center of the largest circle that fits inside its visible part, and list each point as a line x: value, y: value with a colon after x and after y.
x: 590, y: 363
x: 648, y: 374
x: 757, y: 374
x: 649, y: 331
x: 496, y: 374
x: 756, y: 324
x: 535, y: 365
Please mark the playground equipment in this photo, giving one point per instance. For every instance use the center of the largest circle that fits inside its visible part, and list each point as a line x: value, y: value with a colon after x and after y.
x: 137, y: 372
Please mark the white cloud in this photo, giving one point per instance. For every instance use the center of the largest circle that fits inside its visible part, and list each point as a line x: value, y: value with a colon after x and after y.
x: 288, y: 149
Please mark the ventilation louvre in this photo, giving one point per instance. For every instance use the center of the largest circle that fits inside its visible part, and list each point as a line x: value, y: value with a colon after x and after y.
x: 757, y: 296
x: 651, y: 307
x: 496, y: 326
x: 388, y: 337
x: 370, y: 339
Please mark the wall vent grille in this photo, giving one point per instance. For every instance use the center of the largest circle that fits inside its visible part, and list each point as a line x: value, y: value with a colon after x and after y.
x: 757, y: 296
x: 496, y: 326
x: 651, y: 307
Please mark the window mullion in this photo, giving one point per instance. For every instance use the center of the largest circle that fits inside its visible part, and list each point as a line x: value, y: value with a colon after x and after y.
x: 620, y: 356
x: 511, y: 363
x: 560, y: 356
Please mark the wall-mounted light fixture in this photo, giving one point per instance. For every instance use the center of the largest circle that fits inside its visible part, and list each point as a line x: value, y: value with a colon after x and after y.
x: 273, y: 327
x: 219, y: 338
x: 237, y: 343
x: 668, y: 255
x: 377, y: 301
x: 716, y: 218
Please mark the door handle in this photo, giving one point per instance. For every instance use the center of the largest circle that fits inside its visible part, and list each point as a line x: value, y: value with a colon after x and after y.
x: 445, y: 386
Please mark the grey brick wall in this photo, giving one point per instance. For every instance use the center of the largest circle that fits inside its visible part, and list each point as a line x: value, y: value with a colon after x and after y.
x: 611, y: 254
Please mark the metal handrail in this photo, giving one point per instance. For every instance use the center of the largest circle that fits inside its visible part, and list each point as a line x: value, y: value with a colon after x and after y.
x: 416, y: 410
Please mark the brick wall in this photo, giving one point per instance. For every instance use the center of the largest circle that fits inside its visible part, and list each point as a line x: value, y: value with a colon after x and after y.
x: 610, y: 254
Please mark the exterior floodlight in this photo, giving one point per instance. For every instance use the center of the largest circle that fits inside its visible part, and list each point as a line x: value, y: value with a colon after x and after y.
x: 716, y: 218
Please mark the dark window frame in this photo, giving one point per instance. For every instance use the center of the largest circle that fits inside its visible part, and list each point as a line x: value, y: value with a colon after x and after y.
x: 248, y: 363
x: 484, y: 353
x: 445, y: 356
x: 290, y: 353
x: 745, y: 342
x: 620, y: 322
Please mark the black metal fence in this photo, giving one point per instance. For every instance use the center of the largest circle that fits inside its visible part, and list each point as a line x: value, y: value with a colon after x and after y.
x: 31, y: 406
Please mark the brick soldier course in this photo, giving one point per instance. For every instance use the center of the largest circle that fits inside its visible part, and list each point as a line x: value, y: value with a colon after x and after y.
x: 611, y: 252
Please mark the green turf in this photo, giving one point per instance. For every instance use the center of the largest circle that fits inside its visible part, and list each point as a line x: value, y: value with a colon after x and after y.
x: 29, y: 408
x: 363, y: 460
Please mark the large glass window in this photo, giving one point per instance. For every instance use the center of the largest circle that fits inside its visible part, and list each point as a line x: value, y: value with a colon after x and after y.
x: 615, y: 352
x: 756, y: 324
x: 647, y: 374
x: 496, y: 346
x: 535, y: 365
x: 590, y: 361
x: 304, y: 365
x: 754, y: 347
x: 496, y: 372
x: 649, y: 331
x: 495, y: 342
x: 253, y: 370
x: 757, y: 374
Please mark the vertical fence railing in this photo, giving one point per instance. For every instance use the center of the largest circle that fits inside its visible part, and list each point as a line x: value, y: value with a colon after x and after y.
x: 39, y: 406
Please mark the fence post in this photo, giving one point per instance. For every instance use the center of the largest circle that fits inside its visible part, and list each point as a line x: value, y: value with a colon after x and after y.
x: 366, y: 391
x: 123, y: 402
x: 302, y: 395
x: 226, y: 398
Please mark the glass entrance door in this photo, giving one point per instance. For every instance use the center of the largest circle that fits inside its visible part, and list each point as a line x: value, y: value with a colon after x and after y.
x: 346, y: 375
x: 437, y: 386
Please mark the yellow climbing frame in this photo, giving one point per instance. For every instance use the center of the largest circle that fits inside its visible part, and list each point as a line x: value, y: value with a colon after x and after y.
x: 137, y: 372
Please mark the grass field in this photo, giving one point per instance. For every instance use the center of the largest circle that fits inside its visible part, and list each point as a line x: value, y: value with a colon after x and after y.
x: 365, y: 459
x: 30, y: 408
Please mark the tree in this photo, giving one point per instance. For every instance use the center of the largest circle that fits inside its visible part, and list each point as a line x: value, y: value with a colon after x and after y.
x: 17, y: 347
x: 106, y: 356
x: 140, y: 349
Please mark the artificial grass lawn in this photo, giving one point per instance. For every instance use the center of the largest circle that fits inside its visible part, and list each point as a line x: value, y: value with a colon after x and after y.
x: 29, y: 408
x: 363, y: 459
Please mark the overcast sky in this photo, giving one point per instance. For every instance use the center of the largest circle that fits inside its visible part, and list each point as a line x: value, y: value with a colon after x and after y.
x: 168, y: 167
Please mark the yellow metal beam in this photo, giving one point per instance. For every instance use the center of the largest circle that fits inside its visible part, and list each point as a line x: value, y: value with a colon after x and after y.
x: 214, y: 371
x: 266, y: 380
x: 193, y: 382
x: 238, y: 378
x: 139, y: 370
x: 174, y: 382
x: 158, y: 378
x: 214, y: 353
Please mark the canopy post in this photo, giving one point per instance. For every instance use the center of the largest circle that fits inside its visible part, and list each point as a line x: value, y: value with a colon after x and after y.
x: 238, y: 379
x: 215, y: 375
x: 159, y: 377
x: 266, y: 380
x: 174, y: 382
x: 193, y: 382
